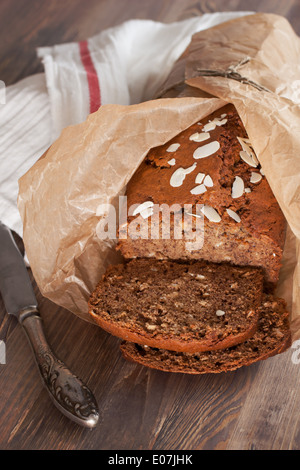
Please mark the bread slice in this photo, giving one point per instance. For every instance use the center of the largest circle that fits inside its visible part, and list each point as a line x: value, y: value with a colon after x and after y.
x: 247, y: 227
x: 272, y: 337
x: 182, y: 306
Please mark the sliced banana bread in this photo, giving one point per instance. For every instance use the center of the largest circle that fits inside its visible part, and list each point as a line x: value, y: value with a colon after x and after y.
x: 272, y: 337
x: 182, y: 306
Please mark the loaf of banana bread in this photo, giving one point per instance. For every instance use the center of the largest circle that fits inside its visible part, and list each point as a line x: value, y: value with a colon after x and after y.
x: 210, y: 166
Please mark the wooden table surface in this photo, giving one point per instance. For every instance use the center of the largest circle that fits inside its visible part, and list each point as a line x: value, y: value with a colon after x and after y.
x: 252, y: 408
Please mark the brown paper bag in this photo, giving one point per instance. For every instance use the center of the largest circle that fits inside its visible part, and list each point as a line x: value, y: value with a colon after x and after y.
x: 90, y: 165
x: 250, y: 62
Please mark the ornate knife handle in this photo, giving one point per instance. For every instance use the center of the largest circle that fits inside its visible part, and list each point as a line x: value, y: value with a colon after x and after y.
x: 71, y: 396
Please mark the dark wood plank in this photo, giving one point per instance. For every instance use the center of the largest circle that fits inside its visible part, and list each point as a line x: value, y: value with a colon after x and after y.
x: 254, y: 407
x: 269, y: 418
x: 28, y: 24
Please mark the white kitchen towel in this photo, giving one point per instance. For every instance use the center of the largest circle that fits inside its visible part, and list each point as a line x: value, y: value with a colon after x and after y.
x: 125, y: 65
x: 25, y: 133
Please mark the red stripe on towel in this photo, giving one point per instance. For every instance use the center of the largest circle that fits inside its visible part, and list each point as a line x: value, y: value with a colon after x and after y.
x: 92, y: 77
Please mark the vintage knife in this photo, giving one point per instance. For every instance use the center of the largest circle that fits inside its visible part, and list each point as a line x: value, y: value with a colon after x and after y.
x: 72, y: 397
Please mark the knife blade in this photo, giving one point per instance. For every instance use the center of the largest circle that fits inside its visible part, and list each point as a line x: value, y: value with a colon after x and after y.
x: 15, y: 285
x: 70, y: 395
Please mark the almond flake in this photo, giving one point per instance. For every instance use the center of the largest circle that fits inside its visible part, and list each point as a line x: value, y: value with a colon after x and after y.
x: 221, y: 122
x: 194, y: 215
x: 145, y: 209
x: 179, y: 175
x: 261, y: 172
x: 172, y: 162
x: 247, y: 190
x: 220, y: 313
x: 248, y: 155
x: 253, y: 155
x: 245, y: 145
x: 206, y: 150
x: 208, y: 181
x: 233, y: 215
x: 173, y: 147
x: 211, y: 214
x: 211, y: 125
x: 237, y: 187
x: 200, y: 136
x: 255, y: 177
x: 247, y: 158
x: 199, y: 178
x: 200, y: 189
